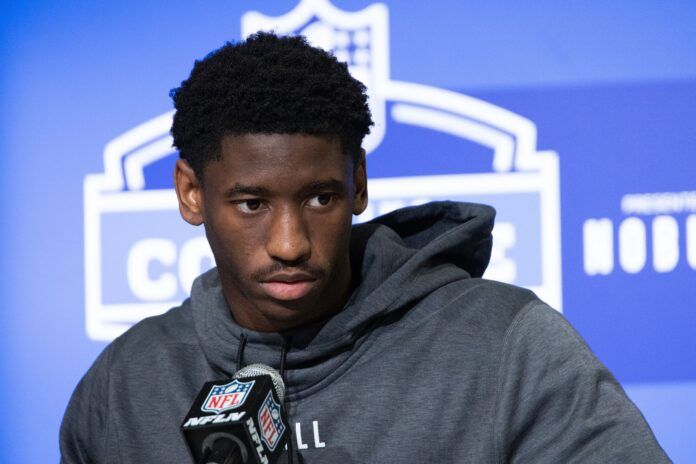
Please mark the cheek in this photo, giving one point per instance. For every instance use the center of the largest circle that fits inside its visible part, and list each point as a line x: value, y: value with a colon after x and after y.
x: 330, y: 237
x: 234, y: 245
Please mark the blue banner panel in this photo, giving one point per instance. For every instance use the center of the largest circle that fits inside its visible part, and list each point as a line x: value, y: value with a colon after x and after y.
x: 628, y: 203
x: 575, y: 121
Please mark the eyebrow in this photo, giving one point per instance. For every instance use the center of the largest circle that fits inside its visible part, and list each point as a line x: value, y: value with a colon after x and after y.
x: 239, y: 189
x: 311, y: 187
x: 323, y: 185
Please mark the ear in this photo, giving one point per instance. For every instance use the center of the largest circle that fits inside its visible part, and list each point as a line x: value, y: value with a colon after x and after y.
x: 360, y: 185
x: 189, y: 192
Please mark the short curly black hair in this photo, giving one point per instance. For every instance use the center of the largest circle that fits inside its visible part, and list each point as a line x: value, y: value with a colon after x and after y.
x: 271, y: 85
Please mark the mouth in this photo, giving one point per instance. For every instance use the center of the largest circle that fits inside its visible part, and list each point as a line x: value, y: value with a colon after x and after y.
x: 288, y: 287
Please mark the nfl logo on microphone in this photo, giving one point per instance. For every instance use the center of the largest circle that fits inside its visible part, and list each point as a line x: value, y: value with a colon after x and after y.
x: 228, y: 396
x: 271, y: 425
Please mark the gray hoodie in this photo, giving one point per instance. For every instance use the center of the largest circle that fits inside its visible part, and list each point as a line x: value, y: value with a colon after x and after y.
x: 427, y: 362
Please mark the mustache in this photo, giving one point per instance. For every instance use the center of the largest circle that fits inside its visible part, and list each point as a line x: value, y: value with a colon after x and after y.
x: 278, y: 267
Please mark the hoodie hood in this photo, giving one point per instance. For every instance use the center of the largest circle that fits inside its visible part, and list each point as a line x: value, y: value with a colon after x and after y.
x: 399, y: 258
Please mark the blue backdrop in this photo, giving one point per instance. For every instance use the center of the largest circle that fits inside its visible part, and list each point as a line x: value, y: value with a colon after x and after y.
x: 577, y: 120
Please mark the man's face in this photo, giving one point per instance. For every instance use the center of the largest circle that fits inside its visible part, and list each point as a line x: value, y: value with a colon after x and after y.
x: 277, y: 211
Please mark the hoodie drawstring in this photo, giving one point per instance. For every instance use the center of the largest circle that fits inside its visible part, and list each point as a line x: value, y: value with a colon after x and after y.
x: 283, y: 358
x: 240, y: 350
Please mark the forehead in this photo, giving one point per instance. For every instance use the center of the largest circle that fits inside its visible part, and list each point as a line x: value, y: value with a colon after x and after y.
x: 273, y: 157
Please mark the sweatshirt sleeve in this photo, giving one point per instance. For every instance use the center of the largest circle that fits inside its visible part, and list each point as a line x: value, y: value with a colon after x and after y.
x: 557, y: 403
x: 83, y: 431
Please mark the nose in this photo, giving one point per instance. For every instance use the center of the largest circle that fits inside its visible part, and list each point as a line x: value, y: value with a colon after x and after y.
x: 288, y: 239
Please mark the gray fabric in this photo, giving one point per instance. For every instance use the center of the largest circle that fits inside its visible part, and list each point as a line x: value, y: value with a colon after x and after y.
x: 427, y: 362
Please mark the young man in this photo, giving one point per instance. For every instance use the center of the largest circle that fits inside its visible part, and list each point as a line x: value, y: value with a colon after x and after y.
x: 394, y: 350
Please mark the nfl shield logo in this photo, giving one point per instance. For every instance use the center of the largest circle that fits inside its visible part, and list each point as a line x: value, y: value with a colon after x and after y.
x: 228, y: 396
x: 270, y: 423
x: 360, y: 39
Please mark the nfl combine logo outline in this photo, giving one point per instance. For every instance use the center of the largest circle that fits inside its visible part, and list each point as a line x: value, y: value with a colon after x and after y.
x: 270, y: 422
x: 121, y: 289
x: 227, y: 396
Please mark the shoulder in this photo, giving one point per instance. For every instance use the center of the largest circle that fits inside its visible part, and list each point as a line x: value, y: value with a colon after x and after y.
x: 477, y: 303
x: 126, y: 362
x: 556, y: 401
x: 173, y: 328
x: 498, y: 300
x: 135, y: 350
x: 153, y: 334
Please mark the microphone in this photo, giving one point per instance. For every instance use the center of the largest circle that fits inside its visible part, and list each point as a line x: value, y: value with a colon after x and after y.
x: 239, y: 421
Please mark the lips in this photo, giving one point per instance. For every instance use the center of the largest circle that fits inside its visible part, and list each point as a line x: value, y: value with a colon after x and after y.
x: 288, y: 287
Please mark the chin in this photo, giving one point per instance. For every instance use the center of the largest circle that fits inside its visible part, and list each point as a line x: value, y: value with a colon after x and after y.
x: 292, y: 313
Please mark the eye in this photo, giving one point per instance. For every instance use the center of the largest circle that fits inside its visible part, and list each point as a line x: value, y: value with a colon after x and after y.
x: 248, y: 206
x: 320, y: 200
